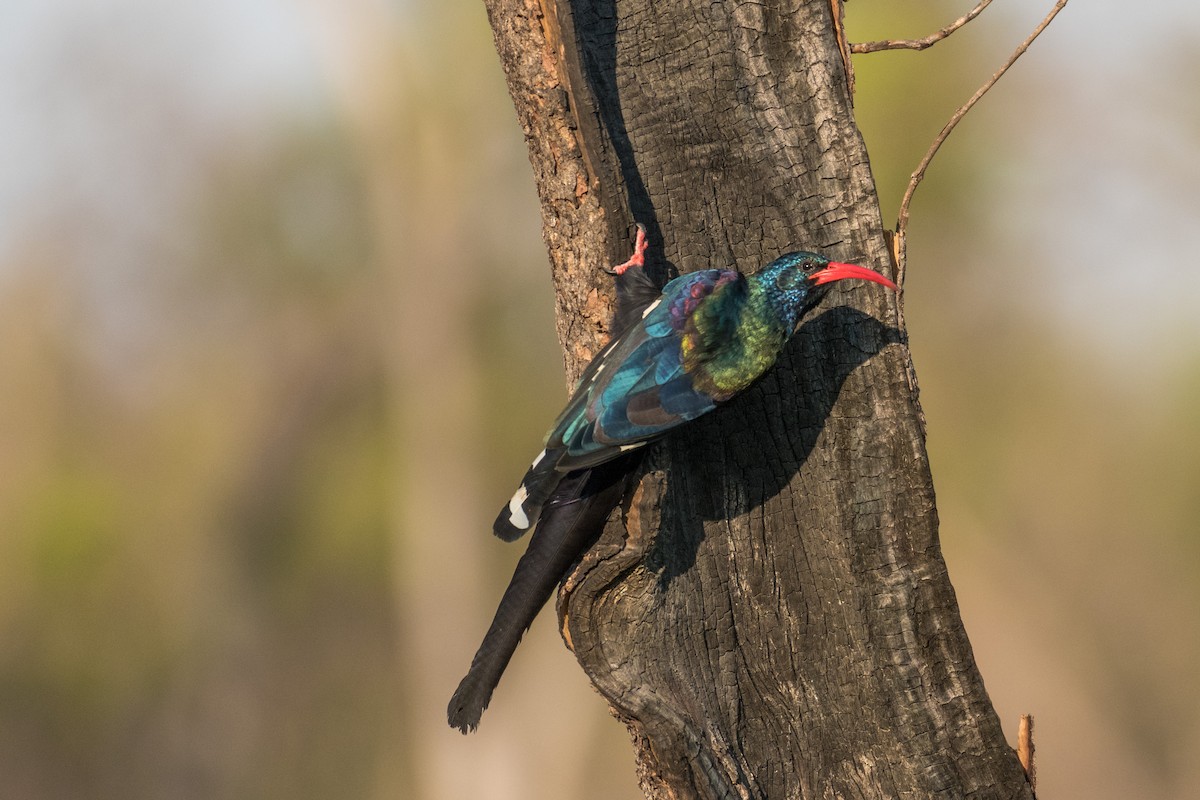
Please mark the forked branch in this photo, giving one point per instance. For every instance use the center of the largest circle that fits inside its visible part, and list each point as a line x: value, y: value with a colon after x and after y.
x: 919, y: 174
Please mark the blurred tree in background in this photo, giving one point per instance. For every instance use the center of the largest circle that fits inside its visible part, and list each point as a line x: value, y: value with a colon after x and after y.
x: 276, y: 334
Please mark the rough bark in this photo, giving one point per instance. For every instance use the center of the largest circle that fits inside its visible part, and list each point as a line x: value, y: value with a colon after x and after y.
x: 770, y: 613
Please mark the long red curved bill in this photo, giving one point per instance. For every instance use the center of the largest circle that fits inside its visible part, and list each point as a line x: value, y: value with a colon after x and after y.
x: 837, y: 271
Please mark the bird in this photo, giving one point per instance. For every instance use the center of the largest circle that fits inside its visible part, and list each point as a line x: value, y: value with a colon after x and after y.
x: 677, y: 354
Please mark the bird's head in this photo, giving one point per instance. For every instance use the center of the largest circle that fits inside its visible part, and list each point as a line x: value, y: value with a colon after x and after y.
x: 796, y: 282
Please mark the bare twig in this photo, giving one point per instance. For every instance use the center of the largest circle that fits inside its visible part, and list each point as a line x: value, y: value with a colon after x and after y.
x: 920, y: 44
x: 1026, y: 750
x: 902, y: 219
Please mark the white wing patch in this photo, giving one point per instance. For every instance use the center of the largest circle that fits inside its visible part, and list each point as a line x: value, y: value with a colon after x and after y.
x: 516, y: 510
x: 538, y: 460
x: 651, y: 307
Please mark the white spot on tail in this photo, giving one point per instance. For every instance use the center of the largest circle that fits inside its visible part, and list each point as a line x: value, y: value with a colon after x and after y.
x: 516, y: 511
x: 538, y: 460
x: 650, y: 308
x: 633, y: 446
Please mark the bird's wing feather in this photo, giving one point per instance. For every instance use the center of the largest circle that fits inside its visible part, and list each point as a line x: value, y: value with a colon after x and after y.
x: 637, y: 388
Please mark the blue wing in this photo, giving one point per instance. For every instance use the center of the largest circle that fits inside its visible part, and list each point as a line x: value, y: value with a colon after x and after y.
x: 636, y: 389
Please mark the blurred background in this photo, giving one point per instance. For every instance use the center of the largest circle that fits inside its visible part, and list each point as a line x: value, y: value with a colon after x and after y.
x: 276, y: 339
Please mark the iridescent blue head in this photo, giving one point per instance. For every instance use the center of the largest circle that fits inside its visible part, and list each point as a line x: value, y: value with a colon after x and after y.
x: 795, y: 282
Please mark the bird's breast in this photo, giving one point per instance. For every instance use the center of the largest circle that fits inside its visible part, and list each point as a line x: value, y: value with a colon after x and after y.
x: 723, y: 368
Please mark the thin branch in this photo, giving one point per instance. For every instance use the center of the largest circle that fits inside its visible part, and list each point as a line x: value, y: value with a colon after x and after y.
x: 920, y: 44
x: 902, y: 220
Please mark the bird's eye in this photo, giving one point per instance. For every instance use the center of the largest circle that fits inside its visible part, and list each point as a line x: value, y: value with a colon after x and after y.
x: 809, y: 265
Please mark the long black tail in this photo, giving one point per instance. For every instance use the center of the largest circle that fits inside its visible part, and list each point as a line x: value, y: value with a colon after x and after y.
x: 571, y: 521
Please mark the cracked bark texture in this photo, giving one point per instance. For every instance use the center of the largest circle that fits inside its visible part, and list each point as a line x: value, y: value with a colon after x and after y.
x: 769, y: 613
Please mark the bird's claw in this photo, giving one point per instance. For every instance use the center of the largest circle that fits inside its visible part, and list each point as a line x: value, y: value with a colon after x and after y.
x: 638, y: 259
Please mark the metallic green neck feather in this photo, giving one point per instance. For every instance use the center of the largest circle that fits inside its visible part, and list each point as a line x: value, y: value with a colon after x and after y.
x: 732, y: 340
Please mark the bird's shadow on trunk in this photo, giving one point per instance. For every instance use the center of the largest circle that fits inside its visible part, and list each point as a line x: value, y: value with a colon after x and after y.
x: 743, y: 454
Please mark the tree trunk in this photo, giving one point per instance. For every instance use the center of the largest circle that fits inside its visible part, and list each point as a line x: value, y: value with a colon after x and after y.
x: 770, y: 614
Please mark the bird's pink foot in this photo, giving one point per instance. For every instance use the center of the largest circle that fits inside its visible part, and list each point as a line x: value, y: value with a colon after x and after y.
x: 638, y: 259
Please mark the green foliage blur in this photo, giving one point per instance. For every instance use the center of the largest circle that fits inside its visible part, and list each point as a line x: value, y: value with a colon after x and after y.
x: 264, y: 388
